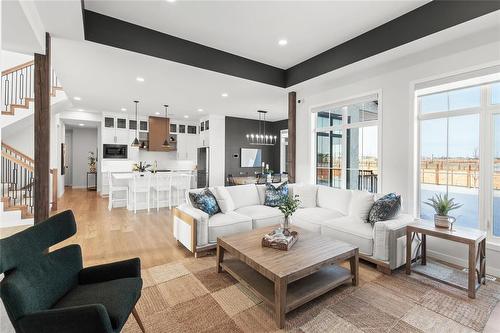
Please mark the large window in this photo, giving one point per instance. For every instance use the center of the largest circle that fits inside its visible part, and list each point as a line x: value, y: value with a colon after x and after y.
x: 347, y: 144
x: 459, y: 136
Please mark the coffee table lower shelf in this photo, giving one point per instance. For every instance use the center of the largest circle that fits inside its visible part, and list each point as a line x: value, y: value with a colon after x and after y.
x: 298, y: 292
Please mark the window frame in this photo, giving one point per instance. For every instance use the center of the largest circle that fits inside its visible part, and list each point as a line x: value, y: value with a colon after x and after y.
x: 486, y: 112
x: 342, y: 103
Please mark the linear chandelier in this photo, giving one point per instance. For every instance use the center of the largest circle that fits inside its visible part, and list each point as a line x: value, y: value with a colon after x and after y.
x: 261, y: 137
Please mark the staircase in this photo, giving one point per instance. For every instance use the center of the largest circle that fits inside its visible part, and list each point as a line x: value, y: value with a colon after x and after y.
x: 17, y: 169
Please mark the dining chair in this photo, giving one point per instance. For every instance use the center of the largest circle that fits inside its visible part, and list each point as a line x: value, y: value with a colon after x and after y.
x: 141, y: 183
x: 115, y: 186
x: 162, y: 183
x: 261, y: 178
x: 230, y: 180
x: 181, y: 183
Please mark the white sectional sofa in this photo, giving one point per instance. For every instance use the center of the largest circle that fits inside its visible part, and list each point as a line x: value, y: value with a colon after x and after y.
x: 340, y: 214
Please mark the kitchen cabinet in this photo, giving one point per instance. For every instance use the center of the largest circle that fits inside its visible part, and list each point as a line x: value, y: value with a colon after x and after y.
x: 187, y: 145
x: 115, y: 130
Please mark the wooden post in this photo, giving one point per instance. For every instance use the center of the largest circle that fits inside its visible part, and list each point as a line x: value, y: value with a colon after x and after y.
x: 292, y: 131
x: 42, y: 133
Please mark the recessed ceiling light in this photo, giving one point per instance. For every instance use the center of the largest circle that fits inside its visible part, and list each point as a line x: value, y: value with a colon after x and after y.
x: 224, y: 94
x: 171, y: 0
x: 123, y: 109
x: 81, y: 110
x: 81, y: 124
x: 76, y: 98
x: 186, y: 116
x: 139, y: 79
x: 282, y: 42
x: 157, y: 113
x: 200, y: 110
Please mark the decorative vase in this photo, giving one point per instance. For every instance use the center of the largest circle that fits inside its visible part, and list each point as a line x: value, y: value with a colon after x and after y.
x: 286, y: 226
x: 443, y: 221
x: 92, y: 168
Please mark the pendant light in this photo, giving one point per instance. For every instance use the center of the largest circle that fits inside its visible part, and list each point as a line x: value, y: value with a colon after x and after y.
x: 136, y: 143
x: 261, y: 138
x: 166, y: 143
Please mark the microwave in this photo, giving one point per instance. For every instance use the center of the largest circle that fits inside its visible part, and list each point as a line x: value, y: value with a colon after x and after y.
x: 114, y: 151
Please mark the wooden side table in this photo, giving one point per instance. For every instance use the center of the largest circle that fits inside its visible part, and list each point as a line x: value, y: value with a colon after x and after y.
x: 474, y: 239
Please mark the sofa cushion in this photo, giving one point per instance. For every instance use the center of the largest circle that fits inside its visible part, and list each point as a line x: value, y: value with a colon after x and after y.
x: 118, y: 297
x: 275, y: 195
x: 312, y: 218
x: 262, y: 216
x: 205, y: 201
x: 306, y: 194
x: 227, y: 224
x: 361, y: 203
x: 224, y: 199
x: 385, y: 208
x: 261, y: 190
x: 334, y: 199
x: 244, y: 195
x: 351, y: 230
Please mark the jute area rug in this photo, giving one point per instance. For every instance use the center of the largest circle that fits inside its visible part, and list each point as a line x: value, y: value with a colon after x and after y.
x: 190, y: 296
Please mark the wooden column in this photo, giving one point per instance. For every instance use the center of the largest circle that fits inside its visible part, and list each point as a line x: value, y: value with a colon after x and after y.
x: 42, y: 133
x: 292, y: 131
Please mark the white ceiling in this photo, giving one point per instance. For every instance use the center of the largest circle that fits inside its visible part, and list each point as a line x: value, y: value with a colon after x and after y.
x: 105, y: 79
x: 252, y: 28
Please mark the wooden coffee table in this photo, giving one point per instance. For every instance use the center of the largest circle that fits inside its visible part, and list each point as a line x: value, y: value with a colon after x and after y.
x: 287, y: 279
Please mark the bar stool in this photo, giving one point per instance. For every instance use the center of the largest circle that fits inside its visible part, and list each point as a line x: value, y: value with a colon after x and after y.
x: 181, y: 183
x: 141, y: 183
x: 114, y: 187
x: 162, y: 184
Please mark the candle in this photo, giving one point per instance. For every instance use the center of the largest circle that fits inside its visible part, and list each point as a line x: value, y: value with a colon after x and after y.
x: 267, y: 166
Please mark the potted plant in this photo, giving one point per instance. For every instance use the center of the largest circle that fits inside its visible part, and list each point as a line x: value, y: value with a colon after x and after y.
x: 140, y: 167
x: 288, y: 206
x: 92, y: 161
x: 442, y: 206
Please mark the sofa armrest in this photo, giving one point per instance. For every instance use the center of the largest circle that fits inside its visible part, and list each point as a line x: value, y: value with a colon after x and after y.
x: 112, y: 271
x: 75, y: 319
x: 385, y: 235
x: 188, y: 219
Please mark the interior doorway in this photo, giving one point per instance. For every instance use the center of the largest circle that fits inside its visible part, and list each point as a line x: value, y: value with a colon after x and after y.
x: 284, y: 163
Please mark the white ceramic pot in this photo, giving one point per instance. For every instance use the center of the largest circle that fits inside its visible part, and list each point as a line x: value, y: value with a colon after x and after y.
x: 443, y: 221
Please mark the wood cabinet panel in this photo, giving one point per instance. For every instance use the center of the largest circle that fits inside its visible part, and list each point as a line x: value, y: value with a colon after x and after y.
x: 158, y: 131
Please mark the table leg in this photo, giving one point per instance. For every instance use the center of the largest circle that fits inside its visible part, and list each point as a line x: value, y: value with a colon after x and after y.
x: 424, y: 249
x: 482, y: 262
x: 220, y: 257
x: 408, y: 251
x: 354, y: 262
x: 280, y: 288
x: 472, y: 271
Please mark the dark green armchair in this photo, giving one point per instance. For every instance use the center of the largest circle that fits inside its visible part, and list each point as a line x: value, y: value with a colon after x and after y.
x: 51, y: 292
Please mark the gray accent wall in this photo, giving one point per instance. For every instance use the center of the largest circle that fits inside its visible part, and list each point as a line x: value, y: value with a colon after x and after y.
x: 236, y: 129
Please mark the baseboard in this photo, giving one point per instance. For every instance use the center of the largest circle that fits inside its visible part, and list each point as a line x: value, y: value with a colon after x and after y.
x: 78, y: 187
x: 461, y: 262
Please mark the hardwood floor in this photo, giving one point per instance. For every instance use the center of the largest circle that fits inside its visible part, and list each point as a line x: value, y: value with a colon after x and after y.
x: 107, y: 236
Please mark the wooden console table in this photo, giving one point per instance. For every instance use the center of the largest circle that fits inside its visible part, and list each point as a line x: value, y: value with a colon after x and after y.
x: 473, y: 238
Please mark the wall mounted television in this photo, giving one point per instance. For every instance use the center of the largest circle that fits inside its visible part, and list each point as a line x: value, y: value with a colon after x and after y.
x: 251, y: 158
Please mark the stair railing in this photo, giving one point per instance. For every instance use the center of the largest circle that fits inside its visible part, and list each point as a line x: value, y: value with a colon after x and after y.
x: 17, y: 179
x: 17, y: 85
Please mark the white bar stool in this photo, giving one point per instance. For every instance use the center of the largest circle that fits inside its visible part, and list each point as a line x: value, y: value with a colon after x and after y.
x: 114, y: 187
x: 162, y: 184
x: 181, y: 183
x: 141, y: 183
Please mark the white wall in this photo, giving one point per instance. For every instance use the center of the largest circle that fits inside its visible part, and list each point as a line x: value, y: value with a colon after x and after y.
x: 84, y: 141
x: 12, y: 59
x: 395, y: 80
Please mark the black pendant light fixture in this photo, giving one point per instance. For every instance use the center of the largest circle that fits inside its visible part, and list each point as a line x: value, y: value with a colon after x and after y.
x: 166, y: 143
x: 261, y: 138
x: 136, y: 143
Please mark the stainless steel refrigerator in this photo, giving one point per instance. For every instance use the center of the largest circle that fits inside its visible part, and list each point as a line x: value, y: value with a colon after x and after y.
x: 203, y: 167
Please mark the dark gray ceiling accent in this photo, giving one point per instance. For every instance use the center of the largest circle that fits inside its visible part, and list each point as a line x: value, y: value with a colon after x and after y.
x: 423, y: 21
x: 113, y: 32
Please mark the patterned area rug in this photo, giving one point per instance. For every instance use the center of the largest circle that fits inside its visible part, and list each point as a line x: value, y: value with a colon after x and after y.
x: 189, y: 296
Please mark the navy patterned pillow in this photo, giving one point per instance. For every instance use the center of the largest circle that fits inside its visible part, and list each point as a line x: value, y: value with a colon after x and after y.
x: 385, y: 208
x: 275, y: 195
x: 205, y: 201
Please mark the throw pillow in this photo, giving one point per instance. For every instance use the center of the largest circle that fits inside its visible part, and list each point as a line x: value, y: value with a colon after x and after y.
x: 385, y: 208
x: 306, y: 194
x: 205, y: 201
x: 224, y: 199
x: 361, y: 204
x: 275, y: 195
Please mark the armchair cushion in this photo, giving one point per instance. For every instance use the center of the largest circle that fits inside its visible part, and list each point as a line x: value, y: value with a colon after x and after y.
x: 117, y: 296
x: 77, y: 319
x: 112, y: 271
